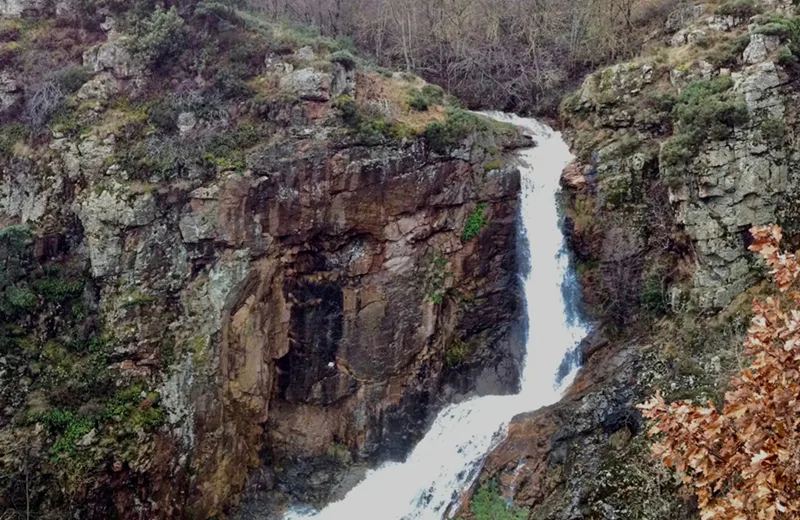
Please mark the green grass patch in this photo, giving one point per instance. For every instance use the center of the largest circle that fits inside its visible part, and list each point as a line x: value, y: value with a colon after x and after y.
x: 475, y: 223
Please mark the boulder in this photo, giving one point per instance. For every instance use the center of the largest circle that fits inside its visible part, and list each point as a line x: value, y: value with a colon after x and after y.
x: 308, y: 84
x: 760, y: 47
x: 112, y: 56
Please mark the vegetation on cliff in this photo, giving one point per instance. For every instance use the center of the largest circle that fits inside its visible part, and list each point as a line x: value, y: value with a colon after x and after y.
x: 740, y: 461
x: 160, y: 159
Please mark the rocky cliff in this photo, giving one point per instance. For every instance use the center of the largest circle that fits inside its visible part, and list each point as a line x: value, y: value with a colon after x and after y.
x: 230, y: 248
x: 680, y: 152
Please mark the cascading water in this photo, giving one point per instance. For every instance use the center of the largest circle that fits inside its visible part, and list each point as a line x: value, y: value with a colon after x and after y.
x: 447, y: 459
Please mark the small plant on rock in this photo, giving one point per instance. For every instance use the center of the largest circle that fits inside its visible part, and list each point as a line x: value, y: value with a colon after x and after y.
x: 475, y: 223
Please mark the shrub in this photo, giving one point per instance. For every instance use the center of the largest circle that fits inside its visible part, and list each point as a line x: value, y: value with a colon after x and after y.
x: 348, y: 107
x: 475, y: 223
x: 417, y: 101
x: 653, y: 299
x: 158, y: 37
x: 436, y: 276
x: 164, y: 115
x: 740, y: 461
x: 728, y: 52
x: 786, y: 57
x: 429, y: 95
x: 458, y: 124
x: 457, y: 353
x: 706, y: 109
x: 71, y: 78
x: 218, y: 14
x: 738, y: 9
x: 11, y: 134
x: 434, y: 93
x: 229, y: 81
x: 9, y: 31
x: 488, y: 504
x: 344, y: 58
x: 679, y: 149
x: 773, y: 131
x: 45, y: 100
x: 371, y: 133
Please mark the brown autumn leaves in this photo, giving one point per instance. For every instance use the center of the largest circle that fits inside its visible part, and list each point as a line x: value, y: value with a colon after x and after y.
x: 744, y: 462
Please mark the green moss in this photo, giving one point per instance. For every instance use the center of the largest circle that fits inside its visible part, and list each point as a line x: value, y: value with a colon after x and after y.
x: 137, y: 299
x: 340, y: 453
x: 129, y: 407
x: 475, y: 223
x: 76, y: 429
x: 435, y: 278
x: 494, y: 164
x: 488, y: 504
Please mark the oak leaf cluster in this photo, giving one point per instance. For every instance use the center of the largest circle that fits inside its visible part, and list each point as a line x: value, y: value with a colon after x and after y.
x: 743, y: 462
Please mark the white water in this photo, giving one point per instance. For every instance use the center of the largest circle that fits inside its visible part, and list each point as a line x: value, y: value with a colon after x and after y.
x: 447, y: 459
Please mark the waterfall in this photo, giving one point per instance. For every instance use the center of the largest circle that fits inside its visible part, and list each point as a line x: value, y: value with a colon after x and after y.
x: 446, y: 461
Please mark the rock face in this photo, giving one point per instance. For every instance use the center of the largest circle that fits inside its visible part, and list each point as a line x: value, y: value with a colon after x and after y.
x: 300, y: 302
x: 726, y: 186
x: 735, y: 185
